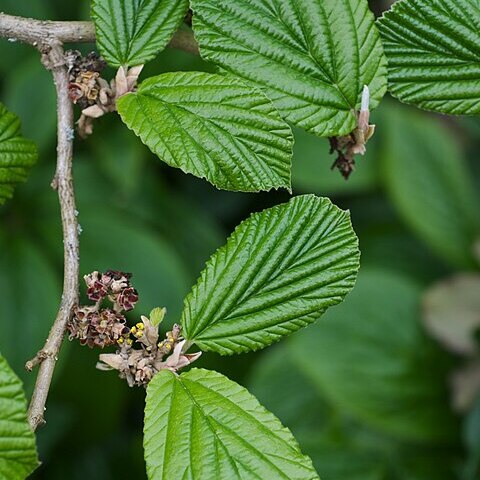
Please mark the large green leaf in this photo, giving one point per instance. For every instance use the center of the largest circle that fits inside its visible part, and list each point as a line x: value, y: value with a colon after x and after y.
x: 132, y: 32
x: 433, y: 51
x: 214, y: 127
x: 17, y: 154
x: 370, y: 358
x: 428, y: 181
x: 202, y: 425
x: 18, y: 454
x: 312, y: 57
x: 278, y: 272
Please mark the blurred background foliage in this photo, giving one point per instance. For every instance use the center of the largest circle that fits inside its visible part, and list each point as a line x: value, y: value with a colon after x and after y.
x: 367, y: 390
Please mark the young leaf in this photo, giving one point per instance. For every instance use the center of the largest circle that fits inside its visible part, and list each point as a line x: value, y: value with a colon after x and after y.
x: 278, y: 272
x: 214, y: 127
x: 433, y: 51
x: 370, y: 358
x: 311, y: 57
x: 429, y: 184
x: 132, y: 32
x: 17, y: 154
x: 157, y: 315
x: 18, y: 454
x: 202, y: 425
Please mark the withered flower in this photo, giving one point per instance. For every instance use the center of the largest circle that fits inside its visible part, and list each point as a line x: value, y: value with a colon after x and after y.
x: 98, y: 328
x: 346, y: 147
x: 96, y: 287
x: 115, y: 285
x: 102, y: 97
x: 138, y: 366
x: 103, y: 327
x: 125, y: 299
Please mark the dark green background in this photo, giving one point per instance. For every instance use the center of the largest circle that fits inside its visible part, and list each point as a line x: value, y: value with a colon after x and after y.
x: 364, y: 390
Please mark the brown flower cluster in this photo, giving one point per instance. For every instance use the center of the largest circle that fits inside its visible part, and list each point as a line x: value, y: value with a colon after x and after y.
x: 101, y: 328
x: 140, y: 354
x: 84, y: 74
x: 95, y: 95
x: 112, y: 284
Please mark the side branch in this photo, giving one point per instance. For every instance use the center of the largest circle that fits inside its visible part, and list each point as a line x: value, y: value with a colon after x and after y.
x: 37, y: 32
x: 54, y: 60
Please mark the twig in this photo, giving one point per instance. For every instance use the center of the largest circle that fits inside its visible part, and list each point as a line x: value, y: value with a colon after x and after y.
x: 34, y: 32
x: 48, y: 37
x: 53, y: 59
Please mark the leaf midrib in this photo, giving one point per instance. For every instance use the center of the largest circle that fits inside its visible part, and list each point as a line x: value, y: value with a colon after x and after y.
x: 207, y: 121
x: 330, y: 82
x: 208, y: 323
x: 214, y: 432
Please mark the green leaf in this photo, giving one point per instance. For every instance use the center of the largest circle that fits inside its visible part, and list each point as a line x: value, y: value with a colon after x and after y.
x: 132, y: 32
x: 433, y: 51
x: 157, y: 315
x: 202, y: 425
x: 214, y: 127
x: 312, y: 57
x: 370, y: 358
x: 278, y: 272
x: 429, y: 184
x: 18, y: 454
x: 17, y: 154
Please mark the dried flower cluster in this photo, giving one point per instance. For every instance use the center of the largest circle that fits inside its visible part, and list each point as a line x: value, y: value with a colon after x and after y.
x: 354, y: 143
x: 103, y: 327
x: 138, y: 366
x: 95, y: 95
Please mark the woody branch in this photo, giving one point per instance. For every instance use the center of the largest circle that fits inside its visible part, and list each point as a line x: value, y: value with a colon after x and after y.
x: 48, y: 37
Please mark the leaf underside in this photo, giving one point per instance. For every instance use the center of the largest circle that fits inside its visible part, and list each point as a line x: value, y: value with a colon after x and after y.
x: 433, y: 51
x: 311, y: 57
x: 18, y: 455
x: 132, y: 32
x: 213, y: 126
x: 17, y: 154
x: 278, y: 272
x: 201, y: 425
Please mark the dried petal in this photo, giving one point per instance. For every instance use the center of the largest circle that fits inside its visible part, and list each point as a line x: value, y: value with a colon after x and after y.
x: 93, y: 112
